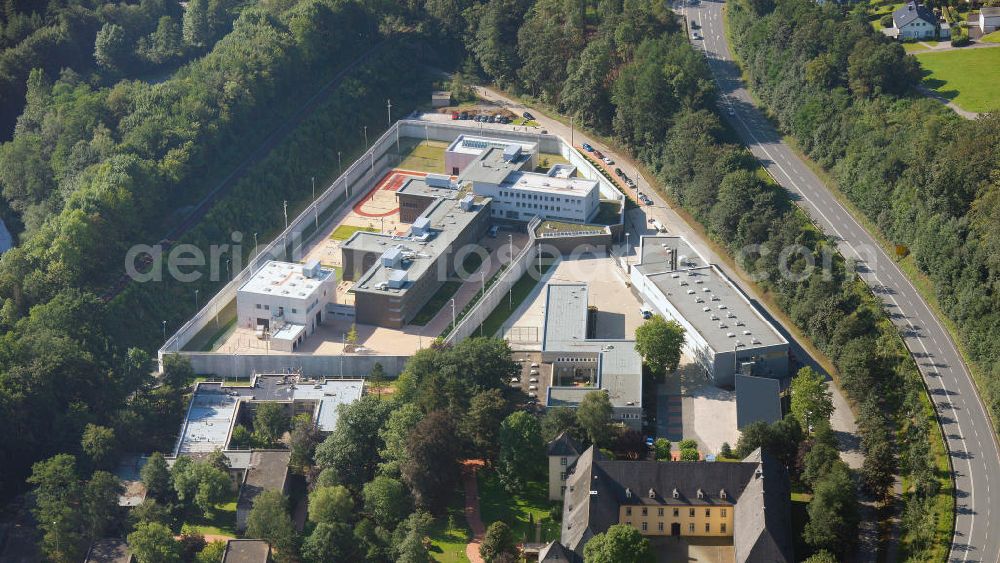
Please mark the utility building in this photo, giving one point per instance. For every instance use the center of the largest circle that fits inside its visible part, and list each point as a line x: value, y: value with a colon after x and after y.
x: 285, y: 302
x: 723, y: 330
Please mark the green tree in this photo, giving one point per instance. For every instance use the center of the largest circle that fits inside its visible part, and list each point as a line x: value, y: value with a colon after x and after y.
x: 594, y: 416
x: 329, y: 541
x: 98, y: 442
x: 557, y: 420
x: 726, y: 450
x: 386, y: 500
x: 822, y: 556
x: 498, y: 543
x: 111, y: 48
x: 155, y: 476
x: 821, y: 456
x: 376, y: 379
x: 811, y: 402
x: 431, y: 467
x: 521, y: 450
x: 270, y: 422
x: 481, y: 424
x: 269, y: 521
x: 177, y: 371
x: 211, y: 553
x: 100, y: 503
x: 662, y: 447
x: 352, y: 448
x: 196, y: 27
x: 201, y: 483
x: 659, y: 342
x: 330, y: 505
x: 152, y: 542
x: 302, y: 441
x: 241, y: 439
x: 833, y: 512
x: 394, y: 435
x: 58, y: 499
x: 619, y: 544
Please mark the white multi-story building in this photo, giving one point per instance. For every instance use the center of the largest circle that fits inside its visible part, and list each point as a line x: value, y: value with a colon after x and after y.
x: 506, y: 175
x: 285, y: 302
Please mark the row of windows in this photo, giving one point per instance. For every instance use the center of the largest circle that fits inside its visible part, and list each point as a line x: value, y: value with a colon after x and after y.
x: 539, y: 206
x: 536, y: 197
x: 626, y: 415
x: 677, y: 512
x: 660, y: 528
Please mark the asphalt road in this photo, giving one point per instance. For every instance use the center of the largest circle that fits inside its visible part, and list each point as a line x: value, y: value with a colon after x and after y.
x: 969, y: 435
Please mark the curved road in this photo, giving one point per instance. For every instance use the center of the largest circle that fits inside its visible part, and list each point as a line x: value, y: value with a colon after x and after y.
x: 969, y: 434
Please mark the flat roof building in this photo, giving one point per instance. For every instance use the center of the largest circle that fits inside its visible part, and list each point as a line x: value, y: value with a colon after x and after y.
x: 466, y: 148
x: 267, y: 471
x: 615, y: 365
x: 285, y: 301
x: 723, y: 330
x: 519, y: 193
x: 246, y: 551
x: 396, y: 275
x: 214, y: 407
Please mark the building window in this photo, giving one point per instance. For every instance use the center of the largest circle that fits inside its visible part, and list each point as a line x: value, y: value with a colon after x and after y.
x: 723, y: 512
x: 659, y: 512
x: 258, y: 305
x: 708, y: 527
x: 691, y: 512
x: 644, y: 526
x: 562, y: 490
x: 562, y: 461
x: 628, y: 511
x: 708, y: 512
x: 722, y: 528
x: 644, y: 511
x: 267, y: 307
x: 691, y: 528
x: 294, y: 310
x: 659, y: 526
x: 562, y: 475
x: 677, y: 513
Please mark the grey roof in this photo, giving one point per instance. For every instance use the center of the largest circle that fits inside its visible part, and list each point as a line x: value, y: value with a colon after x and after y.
x: 990, y: 11
x: 910, y: 12
x: 565, y: 315
x: 492, y: 168
x: 109, y: 550
x: 268, y: 471
x: 655, y: 253
x: 555, y: 552
x: 447, y: 222
x: 419, y: 187
x: 597, y: 487
x: 757, y: 399
x: 246, y: 551
x: 563, y: 445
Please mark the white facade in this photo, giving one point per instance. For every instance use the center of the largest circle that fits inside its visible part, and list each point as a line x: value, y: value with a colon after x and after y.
x: 989, y: 20
x: 917, y: 29
x: 286, y: 301
x: 526, y: 194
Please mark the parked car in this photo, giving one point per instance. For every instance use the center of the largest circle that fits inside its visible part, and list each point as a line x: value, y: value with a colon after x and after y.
x: 607, y: 160
x: 493, y: 119
x: 695, y: 35
x: 494, y: 230
x: 619, y: 173
x: 598, y: 154
x: 528, y: 115
x: 463, y: 115
x: 629, y: 182
x: 588, y: 148
x: 454, y: 115
x: 694, y: 24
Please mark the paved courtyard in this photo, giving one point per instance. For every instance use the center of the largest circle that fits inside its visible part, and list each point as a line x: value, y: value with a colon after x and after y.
x: 690, y: 406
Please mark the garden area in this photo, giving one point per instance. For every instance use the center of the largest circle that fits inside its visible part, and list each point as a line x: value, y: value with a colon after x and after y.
x: 525, y: 512
x: 966, y: 77
x: 422, y: 156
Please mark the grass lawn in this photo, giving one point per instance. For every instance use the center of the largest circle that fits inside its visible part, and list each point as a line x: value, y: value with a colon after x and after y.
x: 222, y: 523
x: 913, y: 47
x: 991, y: 37
x: 966, y: 77
x: 519, y: 293
x: 422, y: 156
x: 450, y: 533
x: 526, y: 122
x: 435, y: 303
x: 344, y: 232
x: 228, y: 381
x: 551, y: 227
x: 516, y: 510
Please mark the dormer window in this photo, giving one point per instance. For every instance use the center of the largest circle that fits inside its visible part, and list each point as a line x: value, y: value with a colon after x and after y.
x: 701, y: 494
x: 722, y: 493
x: 676, y: 494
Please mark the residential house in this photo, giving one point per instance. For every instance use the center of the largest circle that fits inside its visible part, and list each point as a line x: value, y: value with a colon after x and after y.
x: 914, y: 21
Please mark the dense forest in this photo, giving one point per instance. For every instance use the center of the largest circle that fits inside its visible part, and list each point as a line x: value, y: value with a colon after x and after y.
x: 925, y: 177
x: 94, y: 169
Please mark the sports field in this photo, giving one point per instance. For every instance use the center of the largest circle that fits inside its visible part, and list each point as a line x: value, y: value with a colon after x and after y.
x: 967, y: 77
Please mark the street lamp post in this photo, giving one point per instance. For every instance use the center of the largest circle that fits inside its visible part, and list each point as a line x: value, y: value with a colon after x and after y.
x: 196, y: 301
x: 164, y: 331
x: 255, y: 245
x: 366, y: 137
x: 452, y: 313
x: 510, y: 290
x: 284, y: 206
x: 571, y: 142
x: 388, y: 105
x: 314, y: 187
x: 628, y: 249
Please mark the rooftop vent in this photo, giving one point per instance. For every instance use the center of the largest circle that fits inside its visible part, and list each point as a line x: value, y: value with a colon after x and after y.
x: 438, y: 180
x: 730, y: 335
x: 746, y: 332
x: 706, y: 309
x: 397, y: 279
x: 392, y: 258
x: 467, y: 203
x: 690, y: 292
